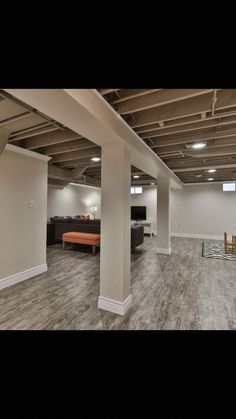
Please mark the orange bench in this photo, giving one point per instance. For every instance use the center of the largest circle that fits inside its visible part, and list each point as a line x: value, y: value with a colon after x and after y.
x: 81, y: 238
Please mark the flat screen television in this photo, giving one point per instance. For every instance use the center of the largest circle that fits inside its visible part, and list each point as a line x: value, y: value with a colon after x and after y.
x: 138, y: 213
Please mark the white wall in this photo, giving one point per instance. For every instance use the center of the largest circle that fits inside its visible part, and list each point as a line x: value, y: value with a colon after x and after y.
x: 202, y: 210
x: 196, y: 210
x: 73, y: 200
x: 149, y: 199
x: 23, y: 229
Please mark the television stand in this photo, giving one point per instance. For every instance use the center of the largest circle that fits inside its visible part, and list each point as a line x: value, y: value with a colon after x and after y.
x: 148, y: 226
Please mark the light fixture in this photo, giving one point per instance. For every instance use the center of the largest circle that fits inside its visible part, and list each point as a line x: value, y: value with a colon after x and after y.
x: 210, y: 178
x: 197, y: 146
x: 152, y: 183
x: 211, y: 170
x: 93, y: 210
x: 198, y: 175
x: 95, y: 159
x: 136, y: 176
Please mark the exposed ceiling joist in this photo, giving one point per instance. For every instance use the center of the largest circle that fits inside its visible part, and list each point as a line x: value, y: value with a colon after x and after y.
x: 214, y: 100
x: 164, y: 142
x: 214, y: 151
x: 193, y: 120
x: 9, y: 109
x: 201, y: 161
x: 17, y: 102
x: 206, y: 167
x: 7, y: 121
x: 52, y: 138
x: 65, y: 147
x: 159, y: 98
x: 31, y: 132
x: 225, y: 99
x: 210, y: 116
x: 209, y: 124
x: 107, y: 91
x: 141, y: 181
x: 89, y: 152
x: 127, y: 94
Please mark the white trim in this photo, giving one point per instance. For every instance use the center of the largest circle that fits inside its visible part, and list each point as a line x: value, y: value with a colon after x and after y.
x: 25, y: 152
x: 163, y: 251
x: 115, y: 306
x: 22, y: 276
x: 198, y: 236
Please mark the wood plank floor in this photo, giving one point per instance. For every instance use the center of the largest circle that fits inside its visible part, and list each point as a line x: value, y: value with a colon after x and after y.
x: 183, y: 291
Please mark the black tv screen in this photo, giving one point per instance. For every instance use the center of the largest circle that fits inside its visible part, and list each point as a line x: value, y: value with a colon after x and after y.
x: 138, y: 213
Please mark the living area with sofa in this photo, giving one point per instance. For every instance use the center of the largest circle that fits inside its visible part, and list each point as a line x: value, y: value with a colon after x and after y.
x: 85, y: 227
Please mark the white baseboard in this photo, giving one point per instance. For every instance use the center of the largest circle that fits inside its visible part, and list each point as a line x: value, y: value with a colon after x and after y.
x: 114, y: 306
x: 163, y: 251
x: 22, y: 276
x: 198, y: 236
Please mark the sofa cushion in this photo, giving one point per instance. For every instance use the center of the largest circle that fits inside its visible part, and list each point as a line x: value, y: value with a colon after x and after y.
x: 94, y: 222
x: 58, y: 219
x: 79, y: 221
x: 85, y: 217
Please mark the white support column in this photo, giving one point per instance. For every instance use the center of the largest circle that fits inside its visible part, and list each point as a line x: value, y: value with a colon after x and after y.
x: 163, y: 216
x: 115, y: 230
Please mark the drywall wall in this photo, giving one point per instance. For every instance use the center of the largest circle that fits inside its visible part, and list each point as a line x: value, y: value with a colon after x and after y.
x: 73, y: 200
x: 202, y: 210
x: 149, y: 199
x: 195, y: 211
x: 23, y: 178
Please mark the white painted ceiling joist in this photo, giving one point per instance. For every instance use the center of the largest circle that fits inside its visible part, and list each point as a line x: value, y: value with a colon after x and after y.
x: 86, y: 112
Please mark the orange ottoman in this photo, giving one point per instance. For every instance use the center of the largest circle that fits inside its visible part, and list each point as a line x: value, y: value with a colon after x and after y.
x: 81, y: 238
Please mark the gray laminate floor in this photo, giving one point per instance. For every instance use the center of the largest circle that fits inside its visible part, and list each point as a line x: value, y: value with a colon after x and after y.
x: 183, y: 291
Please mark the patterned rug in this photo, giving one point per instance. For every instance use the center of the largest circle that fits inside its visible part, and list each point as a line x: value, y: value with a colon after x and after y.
x: 211, y: 249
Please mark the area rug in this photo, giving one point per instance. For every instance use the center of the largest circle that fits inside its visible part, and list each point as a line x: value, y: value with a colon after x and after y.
x: 211, y: 249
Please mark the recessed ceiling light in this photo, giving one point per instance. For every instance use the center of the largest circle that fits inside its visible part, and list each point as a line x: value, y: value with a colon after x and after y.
x: 211, y: 170
x: 197, y: 146
x: 136, y: 176
x: 210, y: 178
x: 95, y: 159
x: 198, y: 175
x: 152, y: 183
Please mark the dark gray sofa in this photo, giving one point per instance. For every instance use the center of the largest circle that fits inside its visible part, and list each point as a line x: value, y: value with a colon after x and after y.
x: 66, y: 224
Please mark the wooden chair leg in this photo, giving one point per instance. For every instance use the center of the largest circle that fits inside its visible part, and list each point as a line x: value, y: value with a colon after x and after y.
x: 234, y: 245
x: 225, y: 242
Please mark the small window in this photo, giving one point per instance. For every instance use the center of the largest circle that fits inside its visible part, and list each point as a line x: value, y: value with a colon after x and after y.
x: 228, y: 187
x: 136, y: 189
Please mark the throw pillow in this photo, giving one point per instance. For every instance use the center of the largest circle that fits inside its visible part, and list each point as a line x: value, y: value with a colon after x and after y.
x: 85, y: 217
